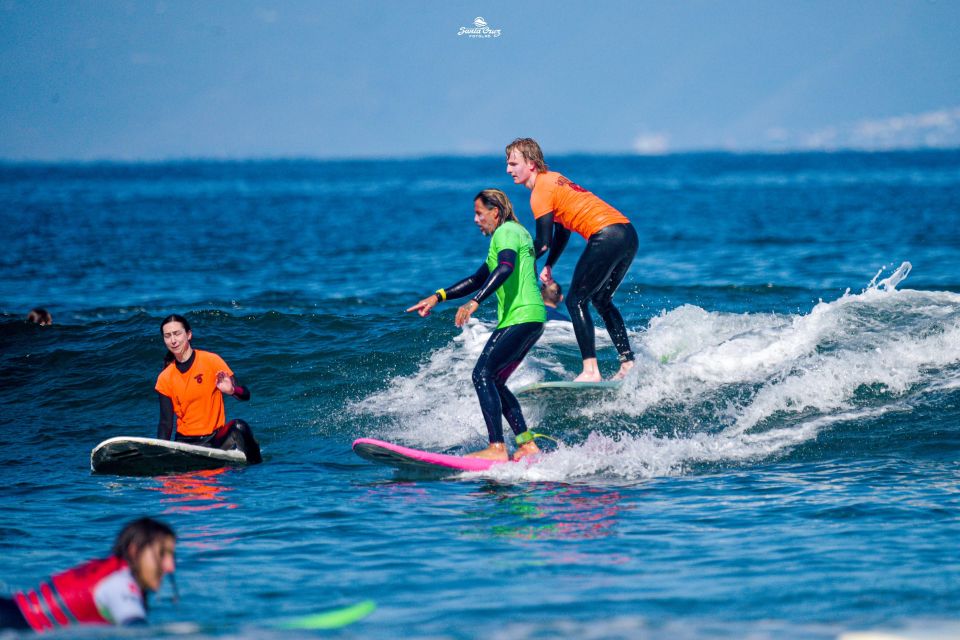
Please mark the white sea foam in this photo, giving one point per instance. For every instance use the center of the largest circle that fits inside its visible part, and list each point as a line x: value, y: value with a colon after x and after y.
x: 736, y: 387
x: 644, y: 456
x: 436, y: 407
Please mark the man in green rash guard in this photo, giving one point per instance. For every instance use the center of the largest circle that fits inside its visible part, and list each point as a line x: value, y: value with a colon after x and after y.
x: 510, y: 271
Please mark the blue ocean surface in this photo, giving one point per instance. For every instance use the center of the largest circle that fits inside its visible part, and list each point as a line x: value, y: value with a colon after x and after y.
x: 781, y: 463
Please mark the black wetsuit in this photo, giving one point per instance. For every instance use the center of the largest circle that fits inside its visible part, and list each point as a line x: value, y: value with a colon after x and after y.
x: 235, y: 434
x: 598, y: 273
x: 504, y: 351
x: 11, y: 617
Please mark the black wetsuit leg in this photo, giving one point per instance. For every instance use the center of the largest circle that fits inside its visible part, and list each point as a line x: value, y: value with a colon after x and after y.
x: 10, y: 615
x: 239, y: 435
x: 236, y: 434
x: 598, y: 273
x: 503, y: 353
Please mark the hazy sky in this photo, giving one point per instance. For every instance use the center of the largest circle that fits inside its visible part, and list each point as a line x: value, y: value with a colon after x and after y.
x: 111, y: 79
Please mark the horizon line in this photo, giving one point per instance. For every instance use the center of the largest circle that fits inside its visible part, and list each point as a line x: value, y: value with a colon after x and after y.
x: 186, y: 159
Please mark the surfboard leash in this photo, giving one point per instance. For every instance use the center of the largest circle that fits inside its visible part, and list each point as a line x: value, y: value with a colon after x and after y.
x: 530, y: 436
x: 176, y: 591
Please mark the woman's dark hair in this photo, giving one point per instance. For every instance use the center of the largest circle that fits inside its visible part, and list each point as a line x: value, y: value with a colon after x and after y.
x: 173, y: 317
x: 140, y: 534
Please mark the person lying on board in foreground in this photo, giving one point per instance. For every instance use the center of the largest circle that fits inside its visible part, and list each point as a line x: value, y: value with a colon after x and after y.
x: 191, y: 386
x: 559, y: 207
x: 510, y: 271
x: 111, y: 590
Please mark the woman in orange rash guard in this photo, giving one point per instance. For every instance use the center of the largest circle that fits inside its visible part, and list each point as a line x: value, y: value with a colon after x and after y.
x: 191, y: 387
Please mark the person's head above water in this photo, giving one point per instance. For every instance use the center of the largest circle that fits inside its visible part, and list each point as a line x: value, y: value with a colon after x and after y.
x: 552, y: 293
x: 491, y: 208
x: 177, y: 335
x: 148, y: 547
x: 525, y: 161
x: 529, y: 150
x: 40, y: 316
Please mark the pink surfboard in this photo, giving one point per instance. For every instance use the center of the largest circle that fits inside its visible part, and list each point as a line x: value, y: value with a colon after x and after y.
x: 414, y: 459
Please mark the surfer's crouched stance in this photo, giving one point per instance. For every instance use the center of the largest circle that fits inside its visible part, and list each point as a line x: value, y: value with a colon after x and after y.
x: 559, y: 207
x: 191, y: 386
x: 107, y: 591
x: 510, y: 271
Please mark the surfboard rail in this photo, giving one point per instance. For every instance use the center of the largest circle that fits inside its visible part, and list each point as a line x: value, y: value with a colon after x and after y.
x: 137, y: 456
x: 401, y: 457
x: 567, y: 388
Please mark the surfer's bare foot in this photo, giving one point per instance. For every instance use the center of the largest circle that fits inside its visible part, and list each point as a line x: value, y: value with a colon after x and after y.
x: 590, y: 373
x: 624, y: 369
x: 588, y: 376
x: 496, y: 451
x: 526, y: 449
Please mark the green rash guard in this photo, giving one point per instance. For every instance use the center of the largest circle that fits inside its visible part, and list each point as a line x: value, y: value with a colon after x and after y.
x: 518, y: 299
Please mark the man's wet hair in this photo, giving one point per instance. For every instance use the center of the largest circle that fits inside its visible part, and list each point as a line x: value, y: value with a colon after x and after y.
x: 531, y: 152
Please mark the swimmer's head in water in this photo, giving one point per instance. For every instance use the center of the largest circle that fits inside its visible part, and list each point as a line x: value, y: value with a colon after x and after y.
x: 148, y: 546
x: 552, y: 293
x: 40, y: 316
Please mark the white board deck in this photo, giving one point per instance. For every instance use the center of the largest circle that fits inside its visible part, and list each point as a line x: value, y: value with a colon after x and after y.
x: 130, y: 456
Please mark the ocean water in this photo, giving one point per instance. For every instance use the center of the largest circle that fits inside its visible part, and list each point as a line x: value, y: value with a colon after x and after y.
x: 782, y: 462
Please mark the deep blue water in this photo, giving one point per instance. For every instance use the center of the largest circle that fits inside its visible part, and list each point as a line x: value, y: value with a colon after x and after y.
x: 783, y: 463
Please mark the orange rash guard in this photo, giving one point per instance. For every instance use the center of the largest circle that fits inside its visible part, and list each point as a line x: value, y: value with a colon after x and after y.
x: 573, y: 206
x: 197, y: 402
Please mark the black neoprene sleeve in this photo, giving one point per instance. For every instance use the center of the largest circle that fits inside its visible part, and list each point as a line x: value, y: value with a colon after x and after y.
x: 560, y: 237
x: 469, y: 284
x: 544, y: 234
x: 244, y: 391
x: 551, y: 236
x: 165, y: 426
x: 506, y: 259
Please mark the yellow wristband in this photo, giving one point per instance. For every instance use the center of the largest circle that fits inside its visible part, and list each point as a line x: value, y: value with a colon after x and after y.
x: 442, y: 294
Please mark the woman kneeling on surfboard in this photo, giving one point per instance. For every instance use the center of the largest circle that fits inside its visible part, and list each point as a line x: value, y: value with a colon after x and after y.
x: 510, y: 271
x: 191, y: 386
x: 108, y: 591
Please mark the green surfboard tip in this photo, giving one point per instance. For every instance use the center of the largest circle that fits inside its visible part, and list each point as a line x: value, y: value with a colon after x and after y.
x: 333, y: 619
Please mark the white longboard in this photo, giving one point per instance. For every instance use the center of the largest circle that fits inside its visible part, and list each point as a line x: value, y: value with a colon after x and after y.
x: 125, y: 456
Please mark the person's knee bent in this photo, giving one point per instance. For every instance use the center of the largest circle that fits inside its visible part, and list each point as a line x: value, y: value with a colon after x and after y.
x: 240, y: 435
x: 244, y: 429
x: 602, y: 303
x: 482, y: 377
x: 575, y: 304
